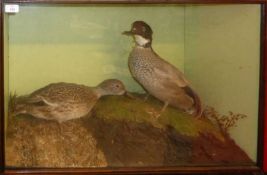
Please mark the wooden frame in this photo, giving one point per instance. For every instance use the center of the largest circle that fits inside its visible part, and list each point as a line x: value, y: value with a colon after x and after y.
x: 262, y: 126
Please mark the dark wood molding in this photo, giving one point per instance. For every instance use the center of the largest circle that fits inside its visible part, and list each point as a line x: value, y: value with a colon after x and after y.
x: 262, y: 94
x: 148, y: 170
x: 140, y: 1
x: 2, y: 127
x: 264, y: 89
x: 262, y: 130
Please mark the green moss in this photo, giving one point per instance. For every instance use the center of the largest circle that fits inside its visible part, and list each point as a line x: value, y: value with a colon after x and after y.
x: 140, y: 111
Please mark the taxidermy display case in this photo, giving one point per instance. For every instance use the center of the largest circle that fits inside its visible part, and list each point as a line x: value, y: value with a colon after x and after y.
x: 129, y: 86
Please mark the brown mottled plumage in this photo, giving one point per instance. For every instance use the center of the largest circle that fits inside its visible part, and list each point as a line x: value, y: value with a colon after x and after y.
x: 65, y: 101
x: 158, y: 77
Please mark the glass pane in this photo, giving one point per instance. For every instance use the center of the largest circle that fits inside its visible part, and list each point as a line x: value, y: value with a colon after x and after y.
x: 77, y: 85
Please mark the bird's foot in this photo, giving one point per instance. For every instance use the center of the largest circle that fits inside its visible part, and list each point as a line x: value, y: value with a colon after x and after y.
x: 192, y: 112
x: 157, y: 115
x: 153, y: 113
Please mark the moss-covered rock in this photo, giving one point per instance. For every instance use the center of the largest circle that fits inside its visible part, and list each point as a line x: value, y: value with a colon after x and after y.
x: 140, y: 111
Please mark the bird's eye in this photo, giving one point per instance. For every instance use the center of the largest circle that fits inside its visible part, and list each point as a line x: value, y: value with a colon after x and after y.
x: 143, y: 29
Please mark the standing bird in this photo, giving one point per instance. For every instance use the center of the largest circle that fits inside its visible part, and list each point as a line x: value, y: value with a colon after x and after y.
x: 65, y: 101
x: 158, y: 77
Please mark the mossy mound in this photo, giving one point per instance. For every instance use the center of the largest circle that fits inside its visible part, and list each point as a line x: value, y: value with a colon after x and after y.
x: 120, y: 132
x: 140, y: 111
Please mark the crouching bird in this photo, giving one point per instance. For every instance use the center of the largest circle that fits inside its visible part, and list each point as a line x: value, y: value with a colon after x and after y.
x: 157, y: 76
x: 65, y: 101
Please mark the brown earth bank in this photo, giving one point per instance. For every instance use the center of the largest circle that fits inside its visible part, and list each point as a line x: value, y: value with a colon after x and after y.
x: 97, y: 141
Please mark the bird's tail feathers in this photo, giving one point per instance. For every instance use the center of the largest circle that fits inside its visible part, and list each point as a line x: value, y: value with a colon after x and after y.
x: 16, y: 104
x: 198, y: 106
x: 198, y: 109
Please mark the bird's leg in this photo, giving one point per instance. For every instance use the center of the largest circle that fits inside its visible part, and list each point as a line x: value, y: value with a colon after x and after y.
x: 162, y: 109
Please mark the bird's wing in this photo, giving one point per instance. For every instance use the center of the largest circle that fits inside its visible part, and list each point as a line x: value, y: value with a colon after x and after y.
x: 58, y: 93
x: 50, y: 95
x: 166, y: 70
x: 39, y: 100
x: 34, y: 99
x: 171, y: 74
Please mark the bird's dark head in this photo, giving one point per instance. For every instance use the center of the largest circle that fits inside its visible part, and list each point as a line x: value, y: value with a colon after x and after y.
x: 141, y: 32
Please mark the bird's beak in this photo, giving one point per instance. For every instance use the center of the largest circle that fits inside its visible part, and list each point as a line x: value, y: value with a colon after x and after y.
x: 128, y: 94
x: 128, y: 33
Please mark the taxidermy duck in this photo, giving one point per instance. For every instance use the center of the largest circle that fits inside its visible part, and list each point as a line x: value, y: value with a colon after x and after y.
x: 157, y: 76
x: 65, y: 101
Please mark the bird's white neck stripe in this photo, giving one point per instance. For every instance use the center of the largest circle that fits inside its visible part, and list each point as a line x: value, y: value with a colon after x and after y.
x: 141, y: 41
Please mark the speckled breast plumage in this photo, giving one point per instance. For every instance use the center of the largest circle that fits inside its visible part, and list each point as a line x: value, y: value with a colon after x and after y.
x: 141, y: 63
